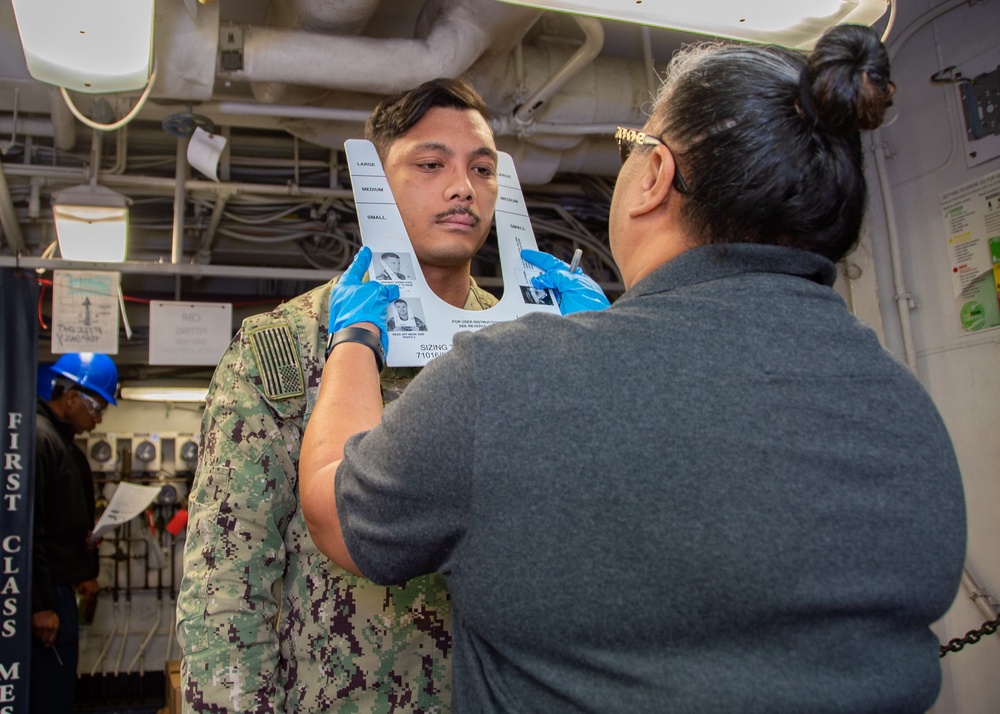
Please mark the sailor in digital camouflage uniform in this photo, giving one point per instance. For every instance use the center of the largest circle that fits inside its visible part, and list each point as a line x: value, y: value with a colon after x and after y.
x: 265, y: 621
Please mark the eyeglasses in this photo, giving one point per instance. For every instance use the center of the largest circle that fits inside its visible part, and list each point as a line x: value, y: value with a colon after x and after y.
x: 628, y: 139
x: 92, y: 406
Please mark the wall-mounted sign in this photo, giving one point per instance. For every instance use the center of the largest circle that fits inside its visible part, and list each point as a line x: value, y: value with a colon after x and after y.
x: 972, y: 224
x: 85, y: 311
x: 189, y: 332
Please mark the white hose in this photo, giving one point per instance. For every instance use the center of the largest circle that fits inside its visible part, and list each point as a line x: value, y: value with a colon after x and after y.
x: 121, y: 122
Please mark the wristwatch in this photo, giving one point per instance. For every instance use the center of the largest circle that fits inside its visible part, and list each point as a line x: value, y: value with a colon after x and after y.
x: 361, y: 335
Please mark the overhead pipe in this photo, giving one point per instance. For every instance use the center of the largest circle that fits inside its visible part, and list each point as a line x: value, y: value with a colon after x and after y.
x: 652, y: 81
x: 121, y: 151
x: 325, y: 15
x: 63, y: 122
x: 26, y: 126
x: 341, y: 17
x: 204, y: 252
x: 166, y: 186
x: 8, y: 217
x: 180, y: 202
x: 587, y: 52
x: 464, y: 30
x: 285, y: 111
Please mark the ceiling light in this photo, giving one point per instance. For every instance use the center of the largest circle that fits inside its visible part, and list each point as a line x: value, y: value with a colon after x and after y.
x: 91, y: 223
x: 164, y: 392
x: 793, y: 23
x: 87, y: 45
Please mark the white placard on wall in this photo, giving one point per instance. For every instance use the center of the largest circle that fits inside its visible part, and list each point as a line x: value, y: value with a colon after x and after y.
x: 189, y: 332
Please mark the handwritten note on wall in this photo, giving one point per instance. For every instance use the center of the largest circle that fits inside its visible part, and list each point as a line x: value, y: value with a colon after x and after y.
x: 85, y: 311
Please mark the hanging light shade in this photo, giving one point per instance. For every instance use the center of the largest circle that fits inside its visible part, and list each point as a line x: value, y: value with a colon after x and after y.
x: 91, y: 223
x: 792, y: 23
x: 93, y: 46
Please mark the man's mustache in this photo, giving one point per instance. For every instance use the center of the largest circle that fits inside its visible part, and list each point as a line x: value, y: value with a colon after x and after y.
x: 458, y: 211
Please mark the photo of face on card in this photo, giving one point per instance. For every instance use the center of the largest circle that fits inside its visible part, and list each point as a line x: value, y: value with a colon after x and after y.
x: 393, y: 267
x: 406, y: 316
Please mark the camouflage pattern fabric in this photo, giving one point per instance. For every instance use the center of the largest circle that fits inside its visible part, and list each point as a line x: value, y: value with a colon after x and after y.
x: 266, y: 622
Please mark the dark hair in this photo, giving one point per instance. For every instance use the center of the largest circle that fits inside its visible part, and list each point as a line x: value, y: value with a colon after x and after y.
x: 391, y: 255
x: 769, y: 139
x: 396, y: 115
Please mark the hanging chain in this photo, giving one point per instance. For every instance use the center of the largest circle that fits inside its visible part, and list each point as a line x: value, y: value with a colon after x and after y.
x: 971, y: 637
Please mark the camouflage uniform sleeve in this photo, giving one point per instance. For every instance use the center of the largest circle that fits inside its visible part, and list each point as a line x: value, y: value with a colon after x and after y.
x: 240, y: 504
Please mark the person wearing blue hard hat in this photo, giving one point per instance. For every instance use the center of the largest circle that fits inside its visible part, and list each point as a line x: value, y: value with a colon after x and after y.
x: 64, y: 559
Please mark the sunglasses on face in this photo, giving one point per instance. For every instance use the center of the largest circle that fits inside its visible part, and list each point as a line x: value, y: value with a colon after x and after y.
x: 92, y: 406
x: 629, y: 139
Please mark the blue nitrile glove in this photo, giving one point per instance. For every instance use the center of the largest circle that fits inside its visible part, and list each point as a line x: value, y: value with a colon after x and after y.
x: 576, y: 291
x: 353, y: 301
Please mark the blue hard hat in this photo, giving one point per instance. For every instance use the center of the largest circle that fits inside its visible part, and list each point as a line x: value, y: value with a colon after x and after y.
x: 45, y: 381
x: 92, y: 371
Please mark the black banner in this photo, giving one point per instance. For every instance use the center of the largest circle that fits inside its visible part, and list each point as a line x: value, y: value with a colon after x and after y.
x: 18, y: 359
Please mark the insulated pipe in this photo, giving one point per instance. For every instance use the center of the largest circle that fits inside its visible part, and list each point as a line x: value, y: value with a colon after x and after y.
x: 63, y: 122
x: 340, y: 17
x: 204, y: 253
x: 8, y: 217
x: 463, y: 31
x: 26, y: 127
x: 345, y: 16
x: 904, y: 301
x: 652, y: 81
x: 591, y: 47
x: 180, y: 201
x: 286, y: 111
x: 121, y: 151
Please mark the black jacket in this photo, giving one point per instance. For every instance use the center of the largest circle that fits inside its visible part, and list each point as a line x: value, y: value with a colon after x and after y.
x: 63, y: 510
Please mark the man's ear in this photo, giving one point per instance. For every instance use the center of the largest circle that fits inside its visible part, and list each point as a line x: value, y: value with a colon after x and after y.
x: 656, y: 182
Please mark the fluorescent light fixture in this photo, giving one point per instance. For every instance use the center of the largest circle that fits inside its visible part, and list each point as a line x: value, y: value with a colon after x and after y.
x: 91, y: 223
x: 164, y: 392
x: 792, y: 23
x: 93, y: 46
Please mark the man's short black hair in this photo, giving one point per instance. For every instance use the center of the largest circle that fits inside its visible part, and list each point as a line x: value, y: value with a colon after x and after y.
x: 396, y: 115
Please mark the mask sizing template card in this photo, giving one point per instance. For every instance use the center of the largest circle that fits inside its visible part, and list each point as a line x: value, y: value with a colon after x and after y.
x: 421, y: 325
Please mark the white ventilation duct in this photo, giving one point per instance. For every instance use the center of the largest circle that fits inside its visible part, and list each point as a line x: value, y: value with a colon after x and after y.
x: 335, y: 17
x: 339, y: 16
x: 461, y: 33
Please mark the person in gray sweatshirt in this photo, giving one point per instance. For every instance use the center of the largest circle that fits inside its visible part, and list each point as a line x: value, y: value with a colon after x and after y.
x: 720, y: 494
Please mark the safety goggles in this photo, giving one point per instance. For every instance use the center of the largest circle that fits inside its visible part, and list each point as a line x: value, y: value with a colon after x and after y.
x: 92, y: 406
x: 629, y: 139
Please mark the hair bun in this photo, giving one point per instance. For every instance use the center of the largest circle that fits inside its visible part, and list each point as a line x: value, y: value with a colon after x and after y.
x: 848, y: 73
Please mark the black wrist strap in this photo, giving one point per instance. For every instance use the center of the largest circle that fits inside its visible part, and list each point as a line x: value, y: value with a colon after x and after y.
x: 361, y: 335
